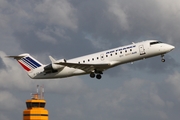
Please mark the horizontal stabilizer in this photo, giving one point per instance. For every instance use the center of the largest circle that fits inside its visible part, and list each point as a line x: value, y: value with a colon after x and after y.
x: 15, y: 57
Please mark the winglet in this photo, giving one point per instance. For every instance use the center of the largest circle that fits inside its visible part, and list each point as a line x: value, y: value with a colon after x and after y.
x: 18, y: 56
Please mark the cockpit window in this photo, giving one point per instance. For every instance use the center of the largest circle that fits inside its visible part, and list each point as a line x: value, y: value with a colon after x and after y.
x: 153, y: 43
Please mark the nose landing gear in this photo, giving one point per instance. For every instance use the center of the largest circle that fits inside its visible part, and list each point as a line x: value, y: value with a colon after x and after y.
x: 162, y: 58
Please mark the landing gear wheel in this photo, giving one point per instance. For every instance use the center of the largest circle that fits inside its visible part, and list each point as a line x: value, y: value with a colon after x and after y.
x: 98, y: 76
x: 92, y: 75
x: 163, y: 60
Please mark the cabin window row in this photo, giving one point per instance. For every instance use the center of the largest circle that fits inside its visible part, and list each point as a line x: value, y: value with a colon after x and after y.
x: 103, y: 56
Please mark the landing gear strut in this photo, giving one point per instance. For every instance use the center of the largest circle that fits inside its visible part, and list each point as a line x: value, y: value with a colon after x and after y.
x: 162, y: 58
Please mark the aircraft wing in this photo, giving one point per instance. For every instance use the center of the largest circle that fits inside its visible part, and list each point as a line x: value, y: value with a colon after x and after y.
x: 86, y: 67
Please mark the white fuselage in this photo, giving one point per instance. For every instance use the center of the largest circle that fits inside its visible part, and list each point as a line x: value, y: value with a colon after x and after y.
x: 113, y: 57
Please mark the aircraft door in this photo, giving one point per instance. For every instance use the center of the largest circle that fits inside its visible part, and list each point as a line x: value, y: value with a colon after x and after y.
x: 102, y: 57
x: 142, y: 50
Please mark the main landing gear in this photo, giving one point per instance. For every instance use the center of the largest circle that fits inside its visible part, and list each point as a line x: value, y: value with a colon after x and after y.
x: 98, y: 75
x: 162, y: 58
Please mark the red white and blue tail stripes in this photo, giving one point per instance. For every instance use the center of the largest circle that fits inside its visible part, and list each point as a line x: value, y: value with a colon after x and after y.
x: 28, y: 63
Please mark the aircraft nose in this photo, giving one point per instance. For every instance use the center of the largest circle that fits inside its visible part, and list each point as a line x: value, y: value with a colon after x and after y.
x: 171, y: 47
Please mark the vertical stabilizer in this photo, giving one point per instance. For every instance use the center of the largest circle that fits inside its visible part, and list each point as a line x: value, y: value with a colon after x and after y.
x: 27, y: 62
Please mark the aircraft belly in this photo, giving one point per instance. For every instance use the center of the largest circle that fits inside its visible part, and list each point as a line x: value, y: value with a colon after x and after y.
x: 68, y: 72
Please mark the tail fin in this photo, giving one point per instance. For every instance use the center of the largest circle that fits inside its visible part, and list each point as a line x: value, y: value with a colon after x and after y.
x: 27, y: 62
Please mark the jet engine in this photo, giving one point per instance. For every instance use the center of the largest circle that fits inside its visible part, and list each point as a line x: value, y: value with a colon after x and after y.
x: 54, y: 67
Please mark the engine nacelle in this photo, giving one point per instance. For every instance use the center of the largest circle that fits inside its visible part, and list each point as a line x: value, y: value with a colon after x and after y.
x: 54, y: 67
x: 61, y: 60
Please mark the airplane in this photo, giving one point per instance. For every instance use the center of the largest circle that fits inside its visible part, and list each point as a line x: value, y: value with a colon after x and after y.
x: 92, y: 64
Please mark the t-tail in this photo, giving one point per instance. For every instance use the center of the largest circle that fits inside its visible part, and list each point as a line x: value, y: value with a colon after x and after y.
x: 28, y: 63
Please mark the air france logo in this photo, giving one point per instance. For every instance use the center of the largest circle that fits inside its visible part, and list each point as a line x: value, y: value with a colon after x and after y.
x: 120, y: 49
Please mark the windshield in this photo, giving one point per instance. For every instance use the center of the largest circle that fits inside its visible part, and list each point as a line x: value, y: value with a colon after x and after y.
x: 156, y: 42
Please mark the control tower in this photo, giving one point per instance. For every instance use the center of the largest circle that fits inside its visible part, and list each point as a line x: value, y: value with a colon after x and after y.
x: 36, y: 107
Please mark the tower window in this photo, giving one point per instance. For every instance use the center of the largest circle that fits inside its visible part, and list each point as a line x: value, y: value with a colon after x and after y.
x: 28, y: 105
x: 42, y: 105
x: 35, y: 104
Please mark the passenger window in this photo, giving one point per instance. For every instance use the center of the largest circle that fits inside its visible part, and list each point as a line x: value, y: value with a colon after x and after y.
x: 111, y: 54
x: 88, y: 60
x: 121, y: 52
x: 84, y: 61
x: 125, y: 50
x: 92, y: 58
x: 106, y: 55
x: 115, y: 53
x: 97, y: 57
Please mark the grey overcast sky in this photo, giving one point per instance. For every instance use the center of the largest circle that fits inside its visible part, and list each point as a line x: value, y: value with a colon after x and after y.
x: 146, y: 90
